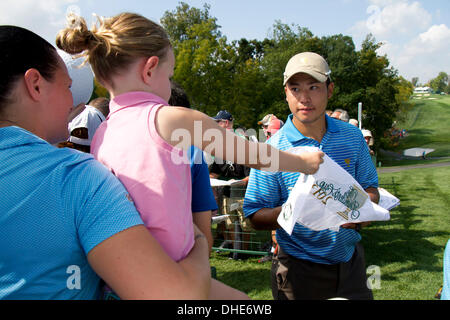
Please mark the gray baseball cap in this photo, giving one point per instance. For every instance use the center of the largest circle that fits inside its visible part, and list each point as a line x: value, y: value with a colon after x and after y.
x: 310, y: 63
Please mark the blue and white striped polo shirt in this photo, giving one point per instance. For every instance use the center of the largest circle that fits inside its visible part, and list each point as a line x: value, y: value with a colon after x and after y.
x: 344, y: 144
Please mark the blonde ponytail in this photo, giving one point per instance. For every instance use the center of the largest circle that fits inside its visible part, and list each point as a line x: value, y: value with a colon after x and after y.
x: 75, y: 38
x: 114, y: 42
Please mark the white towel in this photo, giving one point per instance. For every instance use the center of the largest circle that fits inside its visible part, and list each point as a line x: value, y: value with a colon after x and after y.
x: 328, y: 199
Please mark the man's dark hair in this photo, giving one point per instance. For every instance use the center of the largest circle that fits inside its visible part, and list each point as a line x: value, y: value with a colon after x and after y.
x: 101, y: 104
x: 178, y: 96
x: 21, y: 50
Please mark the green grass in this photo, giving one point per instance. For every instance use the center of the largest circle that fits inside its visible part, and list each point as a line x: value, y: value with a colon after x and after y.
x: 428, y: 126
x: 408, y: 248
x: 246, y: 275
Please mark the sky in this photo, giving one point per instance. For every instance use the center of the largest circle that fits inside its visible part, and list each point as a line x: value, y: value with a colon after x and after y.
x: 415, y: 33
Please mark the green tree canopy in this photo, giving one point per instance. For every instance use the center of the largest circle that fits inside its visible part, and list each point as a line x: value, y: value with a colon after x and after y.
x: 245, y: 77
x: 440, y: 83
x: 215, y: 74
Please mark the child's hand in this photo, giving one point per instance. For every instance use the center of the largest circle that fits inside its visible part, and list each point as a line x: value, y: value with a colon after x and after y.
x: 311, y: 161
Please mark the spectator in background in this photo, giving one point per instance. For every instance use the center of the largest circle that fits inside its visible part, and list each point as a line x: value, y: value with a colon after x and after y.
x: 224, y: 119
x: 82, y: 81
x: 369, y: 140
x: 264, y: 123
x: 354, y: 122
x: 220, y: 169
x: 101, y: 104
x: 273, y: 127
x: 340, y: 114
x: 329, y: 112
x: 83, y: 127
x: 83, y: 120
x: 203, y: 201
x: 232, y: 196
x: 241, y: 132
x: 178, y: 96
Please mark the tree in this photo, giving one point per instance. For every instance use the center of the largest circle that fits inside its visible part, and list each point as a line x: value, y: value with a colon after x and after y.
x: 215, y: 74
x: 284, y: 42
x: 245, y: 77
x: 359, y: 76
x: 405, y: 89
x: 379, y: 85
x: 415, y: 81
x: 180, y: 22
x: 342, y: 58
x: 440, y: 83
x: 201, y: 55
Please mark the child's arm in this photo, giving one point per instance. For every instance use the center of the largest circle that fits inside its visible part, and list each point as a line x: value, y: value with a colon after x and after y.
x: 183, y: 127
x: 202, y: 220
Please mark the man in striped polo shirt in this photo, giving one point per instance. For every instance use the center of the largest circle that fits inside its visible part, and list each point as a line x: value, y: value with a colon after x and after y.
x: 321, y: 264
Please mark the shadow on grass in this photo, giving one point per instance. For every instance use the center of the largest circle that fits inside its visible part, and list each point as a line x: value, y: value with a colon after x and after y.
x: 439, y: 192
x: 400, y: 241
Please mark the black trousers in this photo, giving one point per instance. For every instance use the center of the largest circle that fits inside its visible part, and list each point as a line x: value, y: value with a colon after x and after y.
x: 296, y: 279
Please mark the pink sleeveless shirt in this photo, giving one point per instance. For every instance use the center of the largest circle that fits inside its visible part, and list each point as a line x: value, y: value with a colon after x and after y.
x: 130, y: 146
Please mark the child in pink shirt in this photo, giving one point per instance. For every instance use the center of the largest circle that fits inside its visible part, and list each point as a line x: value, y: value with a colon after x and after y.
x: 133, y: 59
x: 142, y: 160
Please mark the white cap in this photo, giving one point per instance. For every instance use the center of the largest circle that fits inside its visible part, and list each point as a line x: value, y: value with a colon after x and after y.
x: 82, y: 78
x: 90, y: 118
x: 266, y: 120
x: 367, y: 133
x: 310, y: 63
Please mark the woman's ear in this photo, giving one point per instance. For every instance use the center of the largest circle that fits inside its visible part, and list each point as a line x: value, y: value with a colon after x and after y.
x: 33, y: 83
x: 149, y: 67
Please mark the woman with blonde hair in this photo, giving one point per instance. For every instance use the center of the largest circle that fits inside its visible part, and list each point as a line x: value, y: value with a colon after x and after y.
x: 133, y: 59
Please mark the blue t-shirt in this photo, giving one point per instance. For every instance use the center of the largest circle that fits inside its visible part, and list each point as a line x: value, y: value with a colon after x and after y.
x: 344, y: 144
x: 202, y: 195
x: 57, y: 205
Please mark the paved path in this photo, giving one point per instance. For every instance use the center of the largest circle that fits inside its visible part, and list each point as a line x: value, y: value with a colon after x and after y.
x: 417, y: 166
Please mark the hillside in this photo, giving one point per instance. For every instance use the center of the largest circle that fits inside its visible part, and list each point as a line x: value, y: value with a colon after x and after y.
x: 427, y: 125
